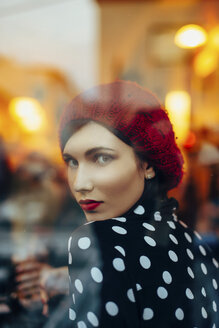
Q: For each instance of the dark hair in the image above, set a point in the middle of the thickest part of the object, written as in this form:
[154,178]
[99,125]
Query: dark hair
[155,187]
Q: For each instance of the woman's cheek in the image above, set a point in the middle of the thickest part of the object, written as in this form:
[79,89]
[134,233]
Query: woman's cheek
[115,180]
[71,178]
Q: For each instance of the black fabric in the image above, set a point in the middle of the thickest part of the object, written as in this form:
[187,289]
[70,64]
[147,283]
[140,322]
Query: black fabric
[145,268]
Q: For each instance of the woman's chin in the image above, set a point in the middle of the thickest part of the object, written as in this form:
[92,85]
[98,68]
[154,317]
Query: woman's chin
[96,216]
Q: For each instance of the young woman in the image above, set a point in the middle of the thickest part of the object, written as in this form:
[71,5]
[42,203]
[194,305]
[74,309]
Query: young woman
[133,264]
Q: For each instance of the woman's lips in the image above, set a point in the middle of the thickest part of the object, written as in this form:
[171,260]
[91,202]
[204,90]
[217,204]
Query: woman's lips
[89,205]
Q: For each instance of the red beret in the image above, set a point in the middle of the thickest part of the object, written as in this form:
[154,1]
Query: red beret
[137,115]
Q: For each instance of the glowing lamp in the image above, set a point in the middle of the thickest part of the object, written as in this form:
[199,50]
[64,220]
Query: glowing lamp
[190,36]
[178,105]
[28,113]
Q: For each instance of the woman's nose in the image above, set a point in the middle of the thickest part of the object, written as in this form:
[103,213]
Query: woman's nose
[82,181]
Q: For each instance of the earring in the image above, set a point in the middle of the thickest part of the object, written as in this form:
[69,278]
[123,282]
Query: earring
[149,176]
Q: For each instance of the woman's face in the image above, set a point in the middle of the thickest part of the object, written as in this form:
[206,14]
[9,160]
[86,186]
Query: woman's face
[103,172]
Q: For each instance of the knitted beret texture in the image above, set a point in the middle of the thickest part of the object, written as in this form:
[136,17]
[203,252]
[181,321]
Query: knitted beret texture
[136,114]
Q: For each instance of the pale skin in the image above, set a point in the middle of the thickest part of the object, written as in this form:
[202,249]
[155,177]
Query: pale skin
[103,168]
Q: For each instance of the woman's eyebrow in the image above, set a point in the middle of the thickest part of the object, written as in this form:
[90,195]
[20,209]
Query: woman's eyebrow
[66,155]
[89,151]
[95,149]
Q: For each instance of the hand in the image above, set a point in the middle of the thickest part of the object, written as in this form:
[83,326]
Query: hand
[38,282]
[27,278]
[53,281]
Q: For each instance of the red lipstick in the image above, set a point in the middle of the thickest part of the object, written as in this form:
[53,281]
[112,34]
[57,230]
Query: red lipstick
[89,204]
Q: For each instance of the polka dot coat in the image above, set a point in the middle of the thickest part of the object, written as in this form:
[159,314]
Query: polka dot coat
[143,269]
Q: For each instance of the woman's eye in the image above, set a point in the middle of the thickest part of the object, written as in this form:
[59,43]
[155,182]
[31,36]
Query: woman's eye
[103,159]
[73,163]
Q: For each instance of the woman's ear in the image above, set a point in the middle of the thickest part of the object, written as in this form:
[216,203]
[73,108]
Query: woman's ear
[149,172]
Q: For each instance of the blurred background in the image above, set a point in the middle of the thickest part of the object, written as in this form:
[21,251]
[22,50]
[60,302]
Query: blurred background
[50,50]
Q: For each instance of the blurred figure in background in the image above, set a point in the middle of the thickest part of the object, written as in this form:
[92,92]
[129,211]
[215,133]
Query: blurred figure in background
[5,172]
[40,213]
[200,197]
[208,214]
[5,234]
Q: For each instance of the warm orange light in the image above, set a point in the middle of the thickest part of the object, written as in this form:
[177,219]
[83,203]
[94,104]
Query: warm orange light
[28,113]
[190,36]
[214,37]
[206,62]
[178,105]
[190,140]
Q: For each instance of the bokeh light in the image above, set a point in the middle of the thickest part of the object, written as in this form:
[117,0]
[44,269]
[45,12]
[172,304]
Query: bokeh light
[206,62]
[28,113]
[214,37]
[190,36]
[190,140]
[178,105]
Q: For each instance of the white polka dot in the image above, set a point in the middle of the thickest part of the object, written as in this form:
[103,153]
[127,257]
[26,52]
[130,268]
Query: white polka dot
[204,269]
[173,256]
[157,216]
[150,241]
[120,249]
[189,294]
[112,308]
[202,250]
[214,282]
[162,292]
[183,224]
[119,230]
[69,258]
[84,243]
[188,237]
[73,298]
[175,217]
[79,286]
[119,264]
[204,313]
[131,295]
[145,262]
[167,277]
[179,314]
[148,226]
[138,287]
[171,224]
[96,274]
[92,318]
[173,238]
[148,314]
[69,243]
[215,263]
[81,324]
[190,272]
[72,314]
[190,254]
[121,219]
[203,292]
[139,210]
[214,305]
[198,235]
